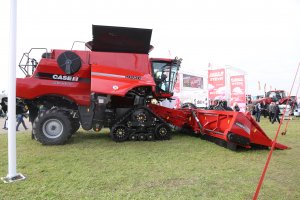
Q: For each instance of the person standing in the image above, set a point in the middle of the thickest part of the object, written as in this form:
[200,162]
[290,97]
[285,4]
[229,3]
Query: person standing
[4,110]
[264,109]
[257,112]
[236,107]
[271,113]
[276,111]
[5,123]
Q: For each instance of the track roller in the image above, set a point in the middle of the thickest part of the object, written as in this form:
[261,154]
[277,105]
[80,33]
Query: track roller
[150,137]
[142,136]
[133,137]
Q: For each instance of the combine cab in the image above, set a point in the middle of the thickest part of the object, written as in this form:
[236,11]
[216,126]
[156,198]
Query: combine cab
[112,84]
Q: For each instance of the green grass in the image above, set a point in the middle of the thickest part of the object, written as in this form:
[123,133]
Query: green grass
[92,166]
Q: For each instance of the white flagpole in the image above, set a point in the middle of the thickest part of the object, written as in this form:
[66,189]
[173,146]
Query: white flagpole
[12,161]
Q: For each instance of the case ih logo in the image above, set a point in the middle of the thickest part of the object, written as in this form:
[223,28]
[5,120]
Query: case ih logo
[133,77]
[62,78]
[65,78]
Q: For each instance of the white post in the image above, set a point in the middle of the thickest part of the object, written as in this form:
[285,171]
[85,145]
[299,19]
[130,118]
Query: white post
[12,161]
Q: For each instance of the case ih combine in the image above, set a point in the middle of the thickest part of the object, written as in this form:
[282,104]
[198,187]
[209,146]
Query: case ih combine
[280,97]
[113,84]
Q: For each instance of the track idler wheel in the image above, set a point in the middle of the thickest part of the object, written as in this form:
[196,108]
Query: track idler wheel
[163,132]
[119,133]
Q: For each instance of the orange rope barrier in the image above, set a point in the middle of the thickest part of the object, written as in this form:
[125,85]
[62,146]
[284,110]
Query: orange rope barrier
[292,108]
[273,146]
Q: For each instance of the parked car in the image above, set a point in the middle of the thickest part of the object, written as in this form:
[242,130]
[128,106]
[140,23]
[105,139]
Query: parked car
[297,112]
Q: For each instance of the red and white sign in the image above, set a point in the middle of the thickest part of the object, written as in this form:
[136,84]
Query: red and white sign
[216,84]
[237,88]
[177,84]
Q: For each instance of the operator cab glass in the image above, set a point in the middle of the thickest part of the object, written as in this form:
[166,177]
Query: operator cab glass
[165,74]
[276,95]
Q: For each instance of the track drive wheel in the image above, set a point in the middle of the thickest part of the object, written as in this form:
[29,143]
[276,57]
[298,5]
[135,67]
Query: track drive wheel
[163,132]
[119,133]
[52,127]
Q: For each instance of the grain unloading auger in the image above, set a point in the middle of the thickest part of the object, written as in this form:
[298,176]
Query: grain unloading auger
[226,128]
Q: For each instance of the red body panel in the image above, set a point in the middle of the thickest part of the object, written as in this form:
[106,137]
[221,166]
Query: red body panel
[101,72]
[117,73]
[217,124]
[41,83]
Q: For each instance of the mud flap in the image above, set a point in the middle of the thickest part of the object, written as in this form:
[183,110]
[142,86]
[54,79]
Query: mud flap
[86,115]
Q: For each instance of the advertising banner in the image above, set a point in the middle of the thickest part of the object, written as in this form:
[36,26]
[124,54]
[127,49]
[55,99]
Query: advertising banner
[237,90]
[177,84]
[192,81]
[216,84]
[188,89]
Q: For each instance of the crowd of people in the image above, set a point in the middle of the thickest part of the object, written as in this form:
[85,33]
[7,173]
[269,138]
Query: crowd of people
[272,111]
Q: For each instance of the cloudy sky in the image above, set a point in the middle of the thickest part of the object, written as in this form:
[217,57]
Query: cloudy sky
[260,37]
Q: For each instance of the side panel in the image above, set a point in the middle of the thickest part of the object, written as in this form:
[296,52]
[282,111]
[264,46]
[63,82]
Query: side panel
[49,79]
[117,73]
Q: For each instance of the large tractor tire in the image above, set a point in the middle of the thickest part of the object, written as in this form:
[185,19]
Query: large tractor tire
[52,127]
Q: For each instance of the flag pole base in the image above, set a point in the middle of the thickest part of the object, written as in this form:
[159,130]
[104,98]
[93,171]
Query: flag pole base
[18,177]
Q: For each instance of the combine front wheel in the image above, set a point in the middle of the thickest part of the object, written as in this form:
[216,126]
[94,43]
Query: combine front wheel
[52,127]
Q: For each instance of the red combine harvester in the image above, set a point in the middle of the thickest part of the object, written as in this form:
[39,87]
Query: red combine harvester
[280,97]
[112,84]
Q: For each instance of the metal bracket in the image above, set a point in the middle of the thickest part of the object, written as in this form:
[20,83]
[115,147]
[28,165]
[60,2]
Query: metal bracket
[18,177]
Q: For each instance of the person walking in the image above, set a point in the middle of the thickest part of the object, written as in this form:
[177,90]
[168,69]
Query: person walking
[257,112]
[20,119]
[21,111]
[276,111]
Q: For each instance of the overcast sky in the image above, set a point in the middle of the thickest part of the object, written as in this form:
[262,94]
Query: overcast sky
[259,37]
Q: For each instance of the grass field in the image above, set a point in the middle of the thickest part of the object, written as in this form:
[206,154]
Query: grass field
[92,166]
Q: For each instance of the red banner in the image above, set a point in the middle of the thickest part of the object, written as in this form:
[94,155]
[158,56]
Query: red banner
[216,84]
[177,84]
[237,88]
